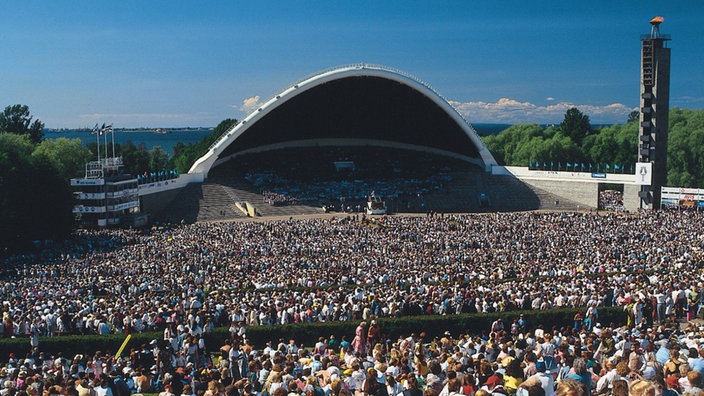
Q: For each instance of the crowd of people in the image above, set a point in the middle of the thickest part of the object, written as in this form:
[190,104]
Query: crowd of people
[341,194]
[611,200]
[521,359]
[275,198]
[326,269]
[185,280]
[342,176]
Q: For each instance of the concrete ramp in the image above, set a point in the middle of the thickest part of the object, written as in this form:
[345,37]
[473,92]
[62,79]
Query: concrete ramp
[251,210]
[242,207]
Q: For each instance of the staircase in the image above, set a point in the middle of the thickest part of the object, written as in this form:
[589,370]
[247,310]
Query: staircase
[215,200]
[202,202]
[245,192]
[217,203]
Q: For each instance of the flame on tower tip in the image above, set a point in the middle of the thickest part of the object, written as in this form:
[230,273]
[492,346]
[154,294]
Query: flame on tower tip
[657,20]
[655,27]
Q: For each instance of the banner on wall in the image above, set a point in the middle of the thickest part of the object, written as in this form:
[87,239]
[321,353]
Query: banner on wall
[644,173]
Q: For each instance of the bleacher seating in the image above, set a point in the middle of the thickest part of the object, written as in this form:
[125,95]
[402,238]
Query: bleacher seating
[304,180]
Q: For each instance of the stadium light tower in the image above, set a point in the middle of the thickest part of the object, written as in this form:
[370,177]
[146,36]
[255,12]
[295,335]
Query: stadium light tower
[654,112]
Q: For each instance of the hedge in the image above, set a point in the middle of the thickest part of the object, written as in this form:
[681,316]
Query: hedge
[308,333]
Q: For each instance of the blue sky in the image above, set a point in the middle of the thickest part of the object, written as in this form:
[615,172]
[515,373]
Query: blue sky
[195,63]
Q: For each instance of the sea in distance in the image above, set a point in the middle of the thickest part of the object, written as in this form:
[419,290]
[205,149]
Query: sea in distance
[168,138]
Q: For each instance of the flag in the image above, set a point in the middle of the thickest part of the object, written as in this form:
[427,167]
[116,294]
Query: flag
[590,166]
[582,165]
[530,165]
[569,165]
[552,164]
[607,166]
[616,167]
[545,165]
[124,344]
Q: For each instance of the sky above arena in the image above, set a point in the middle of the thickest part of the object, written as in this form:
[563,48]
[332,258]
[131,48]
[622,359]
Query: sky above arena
[136,63]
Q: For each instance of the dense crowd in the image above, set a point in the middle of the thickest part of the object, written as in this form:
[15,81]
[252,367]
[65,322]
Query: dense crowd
[343,176]
[279,199]
[210,274]
[518,359]
[187,279]
[279,191]
[611,200]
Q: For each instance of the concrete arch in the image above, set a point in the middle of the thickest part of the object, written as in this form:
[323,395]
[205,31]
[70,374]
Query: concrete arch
[218,154]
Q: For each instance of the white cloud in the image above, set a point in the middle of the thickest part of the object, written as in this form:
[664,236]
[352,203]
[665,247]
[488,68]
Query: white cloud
[550,99]
[250,104]
[511,111]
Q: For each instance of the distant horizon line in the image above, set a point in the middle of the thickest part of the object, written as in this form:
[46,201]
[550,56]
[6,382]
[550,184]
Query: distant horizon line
[137,129]
[200,128]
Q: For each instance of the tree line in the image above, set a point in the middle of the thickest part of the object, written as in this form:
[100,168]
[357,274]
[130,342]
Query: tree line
[575,141]
[36,199]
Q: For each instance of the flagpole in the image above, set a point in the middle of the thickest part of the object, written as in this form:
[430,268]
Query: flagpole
[112,131]
[97,140]
[105,138]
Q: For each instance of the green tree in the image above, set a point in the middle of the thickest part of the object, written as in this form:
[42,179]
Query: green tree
[561,149]
[135,158]
[158,159]
[186,155]
[633,116]
[576,125]
[67,156]
[685,151]
[524,143]
[16,119]
[35,201]
[506,146]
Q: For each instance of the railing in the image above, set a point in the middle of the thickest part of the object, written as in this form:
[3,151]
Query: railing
[650,36]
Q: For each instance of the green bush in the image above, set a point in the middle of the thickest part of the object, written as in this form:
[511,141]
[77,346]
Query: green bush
[308,333]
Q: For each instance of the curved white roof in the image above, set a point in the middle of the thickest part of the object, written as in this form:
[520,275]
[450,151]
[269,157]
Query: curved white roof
[203,164]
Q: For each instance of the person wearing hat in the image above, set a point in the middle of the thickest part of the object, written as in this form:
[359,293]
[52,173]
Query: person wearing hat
[597,329]
[495,386]
[672,386]
[168,391]
[83,388]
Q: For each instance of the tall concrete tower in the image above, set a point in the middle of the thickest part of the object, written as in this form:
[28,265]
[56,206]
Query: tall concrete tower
[654,110]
